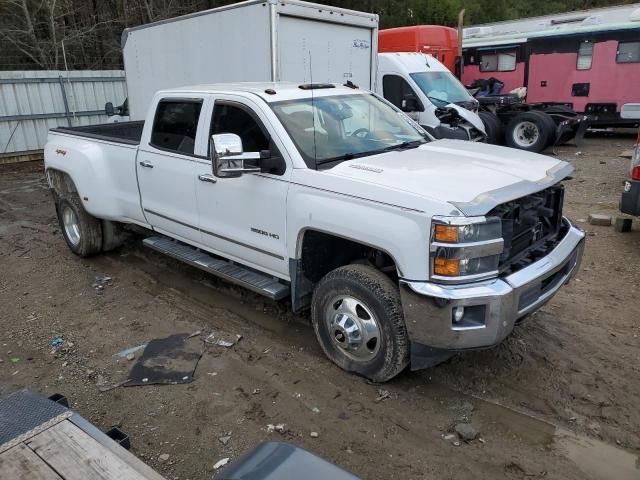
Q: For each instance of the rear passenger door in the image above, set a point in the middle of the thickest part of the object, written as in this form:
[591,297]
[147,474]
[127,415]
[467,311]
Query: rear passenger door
[166,167]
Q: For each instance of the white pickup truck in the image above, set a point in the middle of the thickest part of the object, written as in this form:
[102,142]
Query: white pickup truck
[405,248]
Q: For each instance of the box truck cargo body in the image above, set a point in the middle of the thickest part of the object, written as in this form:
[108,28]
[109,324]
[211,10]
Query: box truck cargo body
[250,41]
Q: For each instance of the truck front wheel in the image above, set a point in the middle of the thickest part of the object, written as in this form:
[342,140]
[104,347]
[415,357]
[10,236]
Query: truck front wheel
[81,231]
[357,316]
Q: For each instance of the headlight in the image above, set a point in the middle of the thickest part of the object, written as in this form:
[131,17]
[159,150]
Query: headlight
[465,248]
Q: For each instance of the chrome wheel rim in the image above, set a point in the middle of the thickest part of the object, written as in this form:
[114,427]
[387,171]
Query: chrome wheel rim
[526,134]
[353,328]
[71,226]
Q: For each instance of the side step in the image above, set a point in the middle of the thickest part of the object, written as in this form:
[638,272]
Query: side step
[245,277]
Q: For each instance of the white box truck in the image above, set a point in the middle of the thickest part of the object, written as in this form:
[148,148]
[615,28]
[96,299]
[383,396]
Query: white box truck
[253,41]
[295,41]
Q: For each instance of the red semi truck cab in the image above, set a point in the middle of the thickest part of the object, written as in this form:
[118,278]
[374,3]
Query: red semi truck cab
[436,40]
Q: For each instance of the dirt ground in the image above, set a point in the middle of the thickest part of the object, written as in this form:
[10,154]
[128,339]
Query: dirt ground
[558,399]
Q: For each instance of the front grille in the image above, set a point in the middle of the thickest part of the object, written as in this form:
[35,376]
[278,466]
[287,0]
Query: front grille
[531,227]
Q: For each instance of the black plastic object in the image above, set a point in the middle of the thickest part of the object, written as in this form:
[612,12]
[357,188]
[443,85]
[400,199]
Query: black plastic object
[315,86]
[59,399]
[282,461]
[118,436]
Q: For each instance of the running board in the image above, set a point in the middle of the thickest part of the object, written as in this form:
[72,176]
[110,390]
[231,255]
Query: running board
[250,279]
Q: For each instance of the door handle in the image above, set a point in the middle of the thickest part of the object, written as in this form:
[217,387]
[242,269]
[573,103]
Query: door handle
[207,177]
[146,164]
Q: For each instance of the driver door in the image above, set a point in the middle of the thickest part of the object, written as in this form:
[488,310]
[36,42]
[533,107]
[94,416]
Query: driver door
[244,218]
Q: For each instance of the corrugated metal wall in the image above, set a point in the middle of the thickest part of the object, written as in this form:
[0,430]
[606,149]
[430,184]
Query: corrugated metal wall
[32,102]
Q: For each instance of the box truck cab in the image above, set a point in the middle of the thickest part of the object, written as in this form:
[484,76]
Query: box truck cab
[428,92]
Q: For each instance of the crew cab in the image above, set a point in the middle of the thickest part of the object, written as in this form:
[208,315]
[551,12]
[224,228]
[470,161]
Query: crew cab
[405,249]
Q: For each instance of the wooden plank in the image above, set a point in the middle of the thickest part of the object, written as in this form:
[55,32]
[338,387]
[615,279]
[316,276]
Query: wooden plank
[75,455]
[21,463]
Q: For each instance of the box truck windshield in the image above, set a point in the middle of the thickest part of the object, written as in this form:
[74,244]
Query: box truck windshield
[342,127]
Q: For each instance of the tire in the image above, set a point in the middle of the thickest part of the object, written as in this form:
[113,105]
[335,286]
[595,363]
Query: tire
[551,126]
[362,297]
[527,131]
[81,231]
[493,127]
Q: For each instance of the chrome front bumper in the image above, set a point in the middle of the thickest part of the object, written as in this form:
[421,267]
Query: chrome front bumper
[492,307]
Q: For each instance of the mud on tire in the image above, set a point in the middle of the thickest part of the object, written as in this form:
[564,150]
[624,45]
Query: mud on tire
[361,295]
[81,231]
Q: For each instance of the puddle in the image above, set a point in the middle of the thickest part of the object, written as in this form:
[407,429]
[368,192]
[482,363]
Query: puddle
[596,459]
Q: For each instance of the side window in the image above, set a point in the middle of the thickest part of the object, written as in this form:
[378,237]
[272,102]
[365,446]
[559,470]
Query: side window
[175,125]
[395,88]
[489,63]
[585,56]
[628,52]
[233,119]
[498,61]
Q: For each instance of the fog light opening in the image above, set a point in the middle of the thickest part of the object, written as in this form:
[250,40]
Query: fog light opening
[458,314]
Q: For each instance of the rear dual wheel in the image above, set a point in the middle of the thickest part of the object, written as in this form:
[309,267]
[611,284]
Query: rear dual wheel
[81,231]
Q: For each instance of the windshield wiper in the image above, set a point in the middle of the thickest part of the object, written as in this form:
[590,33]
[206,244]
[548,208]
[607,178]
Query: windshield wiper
[404,145]
[351,156]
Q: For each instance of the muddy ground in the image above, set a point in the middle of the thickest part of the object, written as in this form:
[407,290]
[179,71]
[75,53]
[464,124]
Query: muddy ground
[558,399]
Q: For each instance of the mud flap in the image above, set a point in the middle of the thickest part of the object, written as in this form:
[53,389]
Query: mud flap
[582,129]
[423,356]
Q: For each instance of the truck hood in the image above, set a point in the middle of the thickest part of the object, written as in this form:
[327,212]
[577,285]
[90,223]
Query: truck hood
[473,118]
[474,177]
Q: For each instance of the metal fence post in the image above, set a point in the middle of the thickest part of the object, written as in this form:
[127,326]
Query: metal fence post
[64,99]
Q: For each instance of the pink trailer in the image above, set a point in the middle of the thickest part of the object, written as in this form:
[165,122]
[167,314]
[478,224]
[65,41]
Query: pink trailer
[592,67]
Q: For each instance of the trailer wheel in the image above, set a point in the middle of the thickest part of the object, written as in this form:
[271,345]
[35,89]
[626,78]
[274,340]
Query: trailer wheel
[357,316]
[81,231]
[493,127]
[527,131]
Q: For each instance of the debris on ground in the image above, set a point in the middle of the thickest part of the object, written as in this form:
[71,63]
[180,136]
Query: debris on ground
[163,457]
[626,154]
[315,410]
[168,361]
[225,439]
[131,356]
[466,431]
[622,224]
[194,334]
[314,435]
[56,342]
[221,463]
[382,395]
[601,220]
[222,339]
[102,281]
[280,428]
[125,353]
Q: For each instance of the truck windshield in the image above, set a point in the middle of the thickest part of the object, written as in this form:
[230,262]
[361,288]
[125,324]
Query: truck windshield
[341,127]
[442,88]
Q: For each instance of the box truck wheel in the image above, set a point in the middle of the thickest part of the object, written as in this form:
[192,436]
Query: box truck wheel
[357,316]
[527,131]
[493,127]
[81,231]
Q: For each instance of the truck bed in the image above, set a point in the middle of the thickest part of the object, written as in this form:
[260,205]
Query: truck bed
[121,132]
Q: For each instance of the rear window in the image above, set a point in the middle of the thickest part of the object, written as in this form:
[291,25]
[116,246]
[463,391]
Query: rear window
[175,125]
[628,52]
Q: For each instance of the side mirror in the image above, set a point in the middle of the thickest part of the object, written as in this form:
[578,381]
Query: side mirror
[410,103]
[228,159]
[109,110]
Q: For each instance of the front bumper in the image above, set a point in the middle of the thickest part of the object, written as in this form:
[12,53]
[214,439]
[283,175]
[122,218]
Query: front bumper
[491,307]
[630,199]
